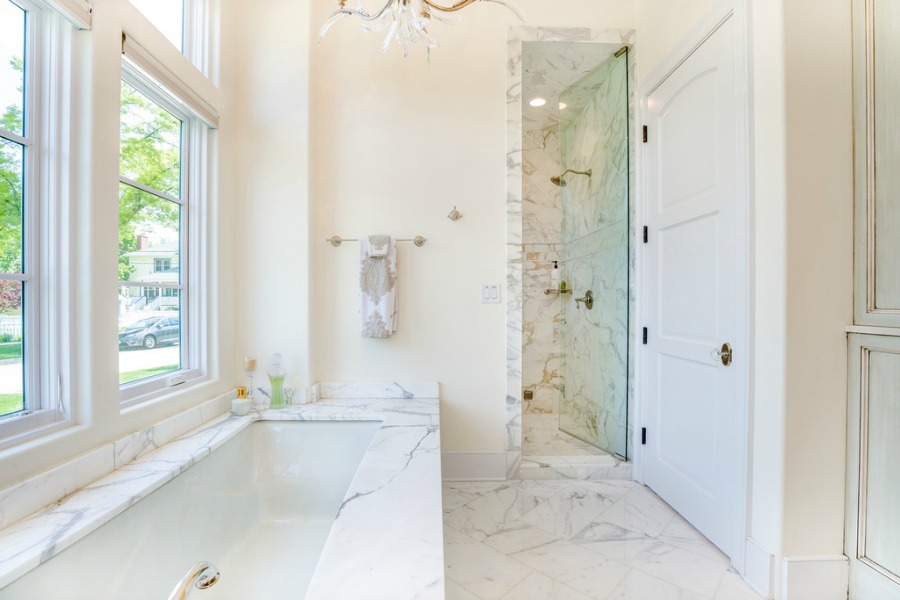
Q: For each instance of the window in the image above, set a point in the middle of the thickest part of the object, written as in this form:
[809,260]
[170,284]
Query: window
[16,274]
[161,186]
[185,23]
[34,47]
[167,16]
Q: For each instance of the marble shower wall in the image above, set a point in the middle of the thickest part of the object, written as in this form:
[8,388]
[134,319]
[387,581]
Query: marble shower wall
[594,403]
[541,241]
[516,248]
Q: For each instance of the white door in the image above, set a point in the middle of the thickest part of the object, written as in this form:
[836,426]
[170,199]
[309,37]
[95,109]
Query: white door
[695,257]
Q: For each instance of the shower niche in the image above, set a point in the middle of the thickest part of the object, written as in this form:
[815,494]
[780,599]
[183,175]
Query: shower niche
[576,256]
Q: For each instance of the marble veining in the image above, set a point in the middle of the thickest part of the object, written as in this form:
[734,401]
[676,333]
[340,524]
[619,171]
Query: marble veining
[577,540]
[388,530]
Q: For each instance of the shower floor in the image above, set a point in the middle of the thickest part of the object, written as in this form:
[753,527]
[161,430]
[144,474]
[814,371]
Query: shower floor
[548,453]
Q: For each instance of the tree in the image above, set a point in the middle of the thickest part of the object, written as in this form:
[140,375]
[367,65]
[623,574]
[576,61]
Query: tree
[150,153]
[11,155]
[10,296]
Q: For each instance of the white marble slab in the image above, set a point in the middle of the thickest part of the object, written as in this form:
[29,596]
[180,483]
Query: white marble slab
[403,391]
[36,493]
[388,532]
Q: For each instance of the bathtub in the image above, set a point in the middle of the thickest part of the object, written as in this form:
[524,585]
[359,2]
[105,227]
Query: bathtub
[340,499]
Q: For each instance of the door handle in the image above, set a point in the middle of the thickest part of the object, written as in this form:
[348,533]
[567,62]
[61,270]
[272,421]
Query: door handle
[726,354]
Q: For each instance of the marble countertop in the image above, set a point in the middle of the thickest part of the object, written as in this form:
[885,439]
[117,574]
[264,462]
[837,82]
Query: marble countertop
[386,542]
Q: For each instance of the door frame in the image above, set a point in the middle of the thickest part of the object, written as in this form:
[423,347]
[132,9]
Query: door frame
[721,11]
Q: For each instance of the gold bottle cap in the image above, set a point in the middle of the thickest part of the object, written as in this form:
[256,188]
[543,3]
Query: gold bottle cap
[242,392]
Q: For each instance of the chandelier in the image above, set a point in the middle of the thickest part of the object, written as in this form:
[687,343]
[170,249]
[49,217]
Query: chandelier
[406,21]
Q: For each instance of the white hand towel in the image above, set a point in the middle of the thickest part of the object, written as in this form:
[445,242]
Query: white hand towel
[378,286]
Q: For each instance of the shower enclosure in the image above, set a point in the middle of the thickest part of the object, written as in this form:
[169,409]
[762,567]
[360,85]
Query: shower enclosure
[576,250]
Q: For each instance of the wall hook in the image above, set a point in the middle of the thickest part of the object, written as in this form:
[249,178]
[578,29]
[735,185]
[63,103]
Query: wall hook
[455,215]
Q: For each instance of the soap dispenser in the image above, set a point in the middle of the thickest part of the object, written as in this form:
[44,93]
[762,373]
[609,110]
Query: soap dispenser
[276,380]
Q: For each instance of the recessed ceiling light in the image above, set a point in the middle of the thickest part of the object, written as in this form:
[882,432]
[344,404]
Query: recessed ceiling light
[537,102]
[563,106]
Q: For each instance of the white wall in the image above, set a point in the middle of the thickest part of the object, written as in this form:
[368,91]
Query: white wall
[802,258]
[95,389]
[396,144]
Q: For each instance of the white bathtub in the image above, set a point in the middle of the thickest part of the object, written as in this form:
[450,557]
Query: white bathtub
[260,508]
[332,501]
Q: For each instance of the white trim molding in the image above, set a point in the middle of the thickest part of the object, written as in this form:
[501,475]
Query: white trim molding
[815,577]
[759,569]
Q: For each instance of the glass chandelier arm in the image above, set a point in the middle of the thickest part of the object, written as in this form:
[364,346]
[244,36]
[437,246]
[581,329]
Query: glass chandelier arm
[511,7]
[458,6]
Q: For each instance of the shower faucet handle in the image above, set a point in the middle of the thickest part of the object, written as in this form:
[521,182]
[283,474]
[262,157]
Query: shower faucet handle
[587,300]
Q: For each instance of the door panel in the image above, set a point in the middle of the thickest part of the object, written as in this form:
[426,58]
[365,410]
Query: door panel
[872,539]
[694,206]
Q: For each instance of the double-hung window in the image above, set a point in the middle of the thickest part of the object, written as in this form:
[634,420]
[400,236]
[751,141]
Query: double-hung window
[162,188]
[34,43]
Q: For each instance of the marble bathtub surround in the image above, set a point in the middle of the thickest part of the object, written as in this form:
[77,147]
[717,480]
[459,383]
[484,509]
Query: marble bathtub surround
[387,532]
[612,540]
[35,493]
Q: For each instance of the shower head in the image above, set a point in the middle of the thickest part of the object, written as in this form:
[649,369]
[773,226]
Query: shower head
[558,180]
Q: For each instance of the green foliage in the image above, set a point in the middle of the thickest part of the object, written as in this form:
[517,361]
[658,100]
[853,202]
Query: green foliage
[150,153]
[11,205]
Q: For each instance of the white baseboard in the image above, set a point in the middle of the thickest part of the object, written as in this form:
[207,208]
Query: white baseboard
[815,578]
[759,569]
[473,466]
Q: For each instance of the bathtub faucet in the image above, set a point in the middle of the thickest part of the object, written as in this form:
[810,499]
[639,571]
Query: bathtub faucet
[202,575]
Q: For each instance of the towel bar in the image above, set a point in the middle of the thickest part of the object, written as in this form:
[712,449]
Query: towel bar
[337,240]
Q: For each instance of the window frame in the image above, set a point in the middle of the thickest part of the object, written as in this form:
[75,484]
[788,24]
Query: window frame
[45,260]
[194,154]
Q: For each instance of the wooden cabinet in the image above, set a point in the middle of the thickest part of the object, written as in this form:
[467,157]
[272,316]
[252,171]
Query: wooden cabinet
[872,539]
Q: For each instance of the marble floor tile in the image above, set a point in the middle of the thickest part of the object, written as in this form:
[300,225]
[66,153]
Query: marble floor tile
[574,565]
[492,511]
[640,586]
[568,512]
[732,587]
[640,510]
[509,542]
[674,565]
[540,587]
[454,591]
[482,571]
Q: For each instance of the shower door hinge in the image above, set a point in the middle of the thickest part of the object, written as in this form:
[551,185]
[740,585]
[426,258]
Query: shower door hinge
[646,234]
[644,337]
[643,436]
[645,134]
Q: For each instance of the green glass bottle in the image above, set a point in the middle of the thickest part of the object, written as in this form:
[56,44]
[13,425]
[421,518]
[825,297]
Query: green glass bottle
[276,380]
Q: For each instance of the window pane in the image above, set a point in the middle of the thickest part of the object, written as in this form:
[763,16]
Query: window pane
[149,237]
[12,77]
[11,364]
[166,15]
[149,332]
[10,206]
[150,146]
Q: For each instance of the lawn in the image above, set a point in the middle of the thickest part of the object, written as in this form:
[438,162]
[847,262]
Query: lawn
[129,376]
[10,403]
[11,350]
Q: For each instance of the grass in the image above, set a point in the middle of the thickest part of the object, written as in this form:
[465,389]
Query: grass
[129,376]
[10,403]
[12,350]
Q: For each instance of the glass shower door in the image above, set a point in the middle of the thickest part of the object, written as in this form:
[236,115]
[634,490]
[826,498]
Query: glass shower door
[594,336]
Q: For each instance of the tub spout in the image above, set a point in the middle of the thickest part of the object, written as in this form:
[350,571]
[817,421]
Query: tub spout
[202,575]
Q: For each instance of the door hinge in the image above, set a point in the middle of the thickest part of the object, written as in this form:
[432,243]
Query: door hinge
[643,436]
[646,234]
[645,134]
[644,337]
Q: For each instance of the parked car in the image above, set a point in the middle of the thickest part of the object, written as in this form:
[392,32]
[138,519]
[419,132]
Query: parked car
[151,333]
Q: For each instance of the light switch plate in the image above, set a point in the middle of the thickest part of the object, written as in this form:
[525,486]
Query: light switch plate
[490,293]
